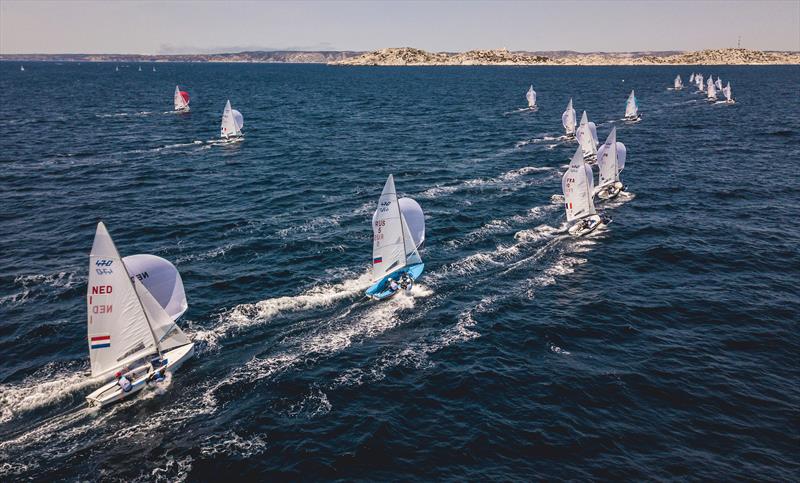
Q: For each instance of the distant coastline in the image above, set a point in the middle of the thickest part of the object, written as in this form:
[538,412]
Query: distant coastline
[407,56]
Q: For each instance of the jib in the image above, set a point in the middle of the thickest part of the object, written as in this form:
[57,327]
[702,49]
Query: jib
[102,290]
[102,309]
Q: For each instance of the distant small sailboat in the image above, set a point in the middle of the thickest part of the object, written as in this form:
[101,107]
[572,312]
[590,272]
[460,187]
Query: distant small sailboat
[181,100]
[587,137]
[711,90]
[698,79]
[140,68]
[578,186]
[728,94]
[632,108]
[679,83]
[132,304]
[232,123]
[21,68]
[398,230]
[154,68]
[610,161]
[531,97]
[568,120]
[718,83]
[116,69]
[691,78]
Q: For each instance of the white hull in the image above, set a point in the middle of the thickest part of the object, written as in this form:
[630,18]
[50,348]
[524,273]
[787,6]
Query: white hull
[112,392]
[585,226]
[609,191]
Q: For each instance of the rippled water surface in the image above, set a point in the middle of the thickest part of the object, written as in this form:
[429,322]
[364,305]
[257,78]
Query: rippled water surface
[663,346]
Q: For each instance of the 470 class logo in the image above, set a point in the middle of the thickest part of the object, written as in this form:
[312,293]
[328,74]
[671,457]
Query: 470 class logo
[104,262]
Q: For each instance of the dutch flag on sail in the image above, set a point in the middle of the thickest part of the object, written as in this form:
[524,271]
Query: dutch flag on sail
[99,341]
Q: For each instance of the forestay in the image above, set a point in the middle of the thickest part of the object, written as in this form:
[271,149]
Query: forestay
[587,136]
[578,186]
[118,331]
[531,97]
[568,118]
[393,246]
[631,107]
[161,279]
[611,159]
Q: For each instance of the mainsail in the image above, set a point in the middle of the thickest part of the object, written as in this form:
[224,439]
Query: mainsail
[631,106]
[578,186]
[718,83]
[568,119]
[531,97]
[393,246]
[181,99]
[118,328]
[698,79]
[691,77]
[610,159]
[587,136]
[679,82]
[711,90]
[232,122]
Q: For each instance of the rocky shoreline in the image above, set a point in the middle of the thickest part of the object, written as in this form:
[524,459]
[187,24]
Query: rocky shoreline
[406,56]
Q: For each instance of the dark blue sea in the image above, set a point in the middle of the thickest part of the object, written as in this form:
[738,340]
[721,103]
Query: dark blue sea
[662,347]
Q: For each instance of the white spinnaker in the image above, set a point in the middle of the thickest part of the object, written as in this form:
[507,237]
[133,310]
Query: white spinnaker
[711,89]
[228,127]
[161,279]
[679,82]
[414,218]
[631,109]
[727,91]
[531,97]
[165,330]
[118,330]
[568,118]
[388,244]
[180,102]
[587,136]
[578,186]
[610,159]
[238,119]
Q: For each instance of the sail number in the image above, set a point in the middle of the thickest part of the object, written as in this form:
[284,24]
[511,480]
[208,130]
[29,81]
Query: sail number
[102,290]
[378,233]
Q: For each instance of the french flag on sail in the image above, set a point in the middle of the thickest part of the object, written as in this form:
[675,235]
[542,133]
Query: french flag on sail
[377,260]
[99,341]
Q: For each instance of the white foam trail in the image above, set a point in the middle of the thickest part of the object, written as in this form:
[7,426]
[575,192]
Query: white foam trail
[60,280]
[249,315]
[209,254]
[311,225]
[509,177]
[501,225]
[50,384]
[230,444]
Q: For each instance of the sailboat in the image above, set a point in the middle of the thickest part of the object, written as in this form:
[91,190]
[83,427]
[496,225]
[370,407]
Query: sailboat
[610,161]
[691,78]
[698,79]
[116,69]
[154,68]
[587,137]
[398,230]
[132,328]
[711,90]
[22,68]
[568,120]
[578,186]
[728,94]
[679,83]
[718,83]
[181,100]
[632,108]
[140,68]
[232,123]
[531,97]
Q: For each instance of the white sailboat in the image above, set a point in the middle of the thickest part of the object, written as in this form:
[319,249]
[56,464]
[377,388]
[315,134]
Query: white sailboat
[679,83]
[632,108]
[587,137]
[578,186]
[116,69]
[154,68]
[718,83]
[140,68]
[130,332]
[22,68]
[728,94]
[531,97]
[568,120]
[691,78]
[711,90]
[610,161]
[698,79]
[398,230]
[181,100]
[232,123]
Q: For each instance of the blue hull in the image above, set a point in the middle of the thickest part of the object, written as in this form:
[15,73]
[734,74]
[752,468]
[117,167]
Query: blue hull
[379,290]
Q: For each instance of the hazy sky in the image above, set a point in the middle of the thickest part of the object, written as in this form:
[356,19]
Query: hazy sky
[66,26]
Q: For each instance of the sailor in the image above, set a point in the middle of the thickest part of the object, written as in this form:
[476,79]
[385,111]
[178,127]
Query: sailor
[406,282]
[393,285]
[124,382]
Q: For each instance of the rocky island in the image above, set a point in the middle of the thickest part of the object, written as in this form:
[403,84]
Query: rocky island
[410,56]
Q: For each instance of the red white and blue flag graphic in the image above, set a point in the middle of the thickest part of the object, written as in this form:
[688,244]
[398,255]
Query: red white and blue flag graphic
[99,341]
